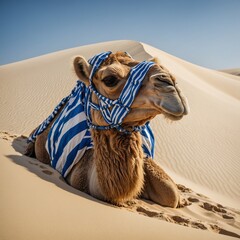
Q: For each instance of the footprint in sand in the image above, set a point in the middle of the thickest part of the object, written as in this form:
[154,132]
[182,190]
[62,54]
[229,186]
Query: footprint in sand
[199,203]
[47,172]
[153,214]
[180,220]
[193,200]
[7,136]
[218,209]
[219,230]
[226,216]
[147,212]
[187,222]
[202,196]
[4,136]
[184,189]
[33,163]
[198,225]
[62,179]
[213,208]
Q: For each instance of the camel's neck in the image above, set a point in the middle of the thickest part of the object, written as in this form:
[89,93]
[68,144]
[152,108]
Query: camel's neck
[119,164]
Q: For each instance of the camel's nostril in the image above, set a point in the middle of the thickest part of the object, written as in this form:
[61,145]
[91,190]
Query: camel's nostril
[161,83]
[162,80]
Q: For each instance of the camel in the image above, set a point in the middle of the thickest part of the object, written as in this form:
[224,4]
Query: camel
[116,170]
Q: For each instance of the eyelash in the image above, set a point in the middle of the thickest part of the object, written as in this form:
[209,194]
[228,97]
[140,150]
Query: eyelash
[110,81]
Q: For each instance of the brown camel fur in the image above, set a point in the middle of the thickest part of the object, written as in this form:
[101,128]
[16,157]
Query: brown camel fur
[116,169]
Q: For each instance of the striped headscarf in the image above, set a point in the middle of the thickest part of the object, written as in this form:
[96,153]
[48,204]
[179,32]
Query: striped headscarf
[121,106]
[69,136]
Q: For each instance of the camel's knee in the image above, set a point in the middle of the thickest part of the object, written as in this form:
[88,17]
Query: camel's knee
[159,187]
[170,195]
[40,150]
[30,150]
[162,192]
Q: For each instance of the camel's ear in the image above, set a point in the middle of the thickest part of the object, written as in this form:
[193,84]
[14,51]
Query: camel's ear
[154,59]
[157,61]
[82,69]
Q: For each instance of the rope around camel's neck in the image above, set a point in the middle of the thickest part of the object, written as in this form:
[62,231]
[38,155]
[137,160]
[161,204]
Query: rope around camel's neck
[119,163]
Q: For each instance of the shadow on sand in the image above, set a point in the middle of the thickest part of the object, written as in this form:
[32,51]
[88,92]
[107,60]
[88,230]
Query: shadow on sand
[44,171]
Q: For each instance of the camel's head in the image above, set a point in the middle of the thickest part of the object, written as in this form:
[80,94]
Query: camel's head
[158,93]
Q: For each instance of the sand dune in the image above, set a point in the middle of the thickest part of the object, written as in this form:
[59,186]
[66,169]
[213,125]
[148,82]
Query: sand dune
[233,71]
[200,152]
[205,142]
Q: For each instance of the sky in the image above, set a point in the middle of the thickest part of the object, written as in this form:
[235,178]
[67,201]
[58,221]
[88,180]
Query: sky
[204,32]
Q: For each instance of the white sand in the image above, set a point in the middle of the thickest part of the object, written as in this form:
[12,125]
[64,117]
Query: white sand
[201,151]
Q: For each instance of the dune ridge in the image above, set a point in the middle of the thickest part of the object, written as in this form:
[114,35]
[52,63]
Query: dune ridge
[233,71]
[200,152]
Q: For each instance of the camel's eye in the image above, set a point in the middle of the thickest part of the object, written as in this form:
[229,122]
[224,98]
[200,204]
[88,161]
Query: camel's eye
[110,81]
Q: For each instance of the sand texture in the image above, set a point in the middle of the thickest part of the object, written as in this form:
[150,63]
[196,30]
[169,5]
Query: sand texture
[201,153]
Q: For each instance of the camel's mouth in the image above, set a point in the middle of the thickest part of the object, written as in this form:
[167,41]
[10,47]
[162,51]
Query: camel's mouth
[174,107]
[172,117]
[175,115]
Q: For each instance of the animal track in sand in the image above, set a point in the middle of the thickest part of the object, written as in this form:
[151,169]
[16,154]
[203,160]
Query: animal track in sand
[169,218]
[185,221]
[219,210]
[202,213]
[188,222]
[219,230]
[227,216]
[202,196]
[193,200]
[47,172]
[147,212]
[198,225]
[180,220]
[33,163]
[213,208]
[62,179]
[183,189]
[7,136]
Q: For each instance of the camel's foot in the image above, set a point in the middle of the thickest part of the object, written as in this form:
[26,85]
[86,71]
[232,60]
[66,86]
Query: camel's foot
[40,150]
[159,187]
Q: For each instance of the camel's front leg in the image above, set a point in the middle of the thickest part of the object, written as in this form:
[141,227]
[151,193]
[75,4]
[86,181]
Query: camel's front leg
[158,186]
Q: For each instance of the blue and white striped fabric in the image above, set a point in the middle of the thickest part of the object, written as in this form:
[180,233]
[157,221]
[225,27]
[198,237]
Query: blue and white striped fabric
[96,61]
[69,136]
[148,141]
